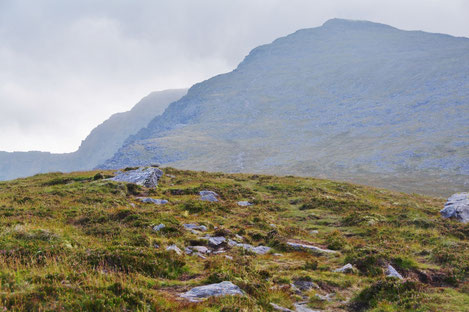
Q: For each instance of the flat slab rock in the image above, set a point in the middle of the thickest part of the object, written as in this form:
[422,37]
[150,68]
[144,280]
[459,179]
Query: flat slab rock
[457,207]
[310,247]
[144,176]
[213,290]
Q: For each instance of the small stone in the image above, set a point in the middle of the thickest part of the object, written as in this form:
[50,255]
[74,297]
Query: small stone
[348,268]
[192,226]
[279,308]
[209,196]
[304,285]
[327,297]
[314,232]
[229,257]
[244,203]
[174,248]
[201,249]
[158,227]
[152,200]
[391,272]
[213,290]
[262,250]
[215,241]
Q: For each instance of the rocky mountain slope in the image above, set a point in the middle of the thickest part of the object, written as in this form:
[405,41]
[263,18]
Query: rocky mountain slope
[349,100]
[225,242]
[100,144]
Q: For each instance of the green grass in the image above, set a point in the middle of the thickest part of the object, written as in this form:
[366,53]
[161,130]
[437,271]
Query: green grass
[77,242]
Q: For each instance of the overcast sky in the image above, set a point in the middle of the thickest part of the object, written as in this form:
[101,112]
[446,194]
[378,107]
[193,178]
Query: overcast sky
[66,66]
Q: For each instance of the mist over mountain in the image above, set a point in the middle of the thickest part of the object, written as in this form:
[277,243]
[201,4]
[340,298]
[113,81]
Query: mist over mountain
[99,145]
[351,100]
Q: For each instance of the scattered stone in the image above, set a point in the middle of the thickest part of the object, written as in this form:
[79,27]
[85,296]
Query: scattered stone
[152,200]
[239,237]
[213,290]
[310,247]
[244,203]
[201,249]
[219,251]
[279,308]
[277,254]
[188,250]
[304,285]
[191,227]
[261,250]
[215,241]
[147,177]
[201,255]
[391,272]
[457,207]
[314,232]
[229,257]
[158,227]
[156,246]
[327,297]
[174,248]
[301,307]
[273,225]
[208,196]
[348,268]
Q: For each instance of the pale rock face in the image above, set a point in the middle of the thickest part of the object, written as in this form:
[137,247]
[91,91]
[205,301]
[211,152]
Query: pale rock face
[213,290]
[147,177]
[457,207]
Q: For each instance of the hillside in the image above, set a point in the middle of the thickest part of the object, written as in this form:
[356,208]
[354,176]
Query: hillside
[99,145]
[77,242]
[350,100]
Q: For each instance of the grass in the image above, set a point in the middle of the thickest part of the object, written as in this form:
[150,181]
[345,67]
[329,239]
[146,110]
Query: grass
[78,242]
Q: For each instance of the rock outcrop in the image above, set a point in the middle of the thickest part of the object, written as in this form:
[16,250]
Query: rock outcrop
[144,176]
[457,207]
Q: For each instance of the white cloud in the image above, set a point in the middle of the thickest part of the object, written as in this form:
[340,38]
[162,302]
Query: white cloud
[65,66]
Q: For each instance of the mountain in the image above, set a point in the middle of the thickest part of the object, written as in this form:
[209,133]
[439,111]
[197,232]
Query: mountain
[350,100]
[73,242]
[101,143]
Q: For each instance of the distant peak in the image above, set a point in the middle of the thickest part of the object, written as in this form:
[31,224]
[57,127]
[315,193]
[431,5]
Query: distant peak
[353,24]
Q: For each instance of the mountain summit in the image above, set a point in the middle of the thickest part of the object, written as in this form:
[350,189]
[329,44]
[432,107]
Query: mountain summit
[350,100]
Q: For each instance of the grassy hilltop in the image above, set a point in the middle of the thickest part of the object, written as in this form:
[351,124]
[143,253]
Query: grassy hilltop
[75,242]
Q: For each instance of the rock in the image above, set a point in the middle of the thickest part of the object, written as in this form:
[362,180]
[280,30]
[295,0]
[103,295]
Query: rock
[301,307]
[327,297]
[208,196]
[310,247]
[213,290]
[215,241]
[147,177]
[262,250]
[152,200]
[279,308]
[391,272]
[314,232]
[457,207]
[174,248]
[348,268]
[158,227]
[191,226]
[229,257]
[201,249]
[244,203]
[304,285]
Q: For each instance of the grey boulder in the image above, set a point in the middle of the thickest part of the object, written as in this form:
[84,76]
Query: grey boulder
[147,177]
[457,207]
[209,196]
[213,290]
[215,240]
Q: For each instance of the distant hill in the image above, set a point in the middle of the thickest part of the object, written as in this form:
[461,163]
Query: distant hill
[100,144]
[350,100]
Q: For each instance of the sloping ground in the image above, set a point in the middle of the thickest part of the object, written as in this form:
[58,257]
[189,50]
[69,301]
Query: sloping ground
[99,145]
[76,242]
[350,100]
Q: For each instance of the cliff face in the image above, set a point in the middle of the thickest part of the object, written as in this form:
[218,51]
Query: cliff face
[100,144]
[349,100]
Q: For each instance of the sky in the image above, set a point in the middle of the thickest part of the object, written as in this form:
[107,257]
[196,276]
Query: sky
[66,66]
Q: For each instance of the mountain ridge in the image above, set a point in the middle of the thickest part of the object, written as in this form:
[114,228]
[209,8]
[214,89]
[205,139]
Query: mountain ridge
[366,89]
